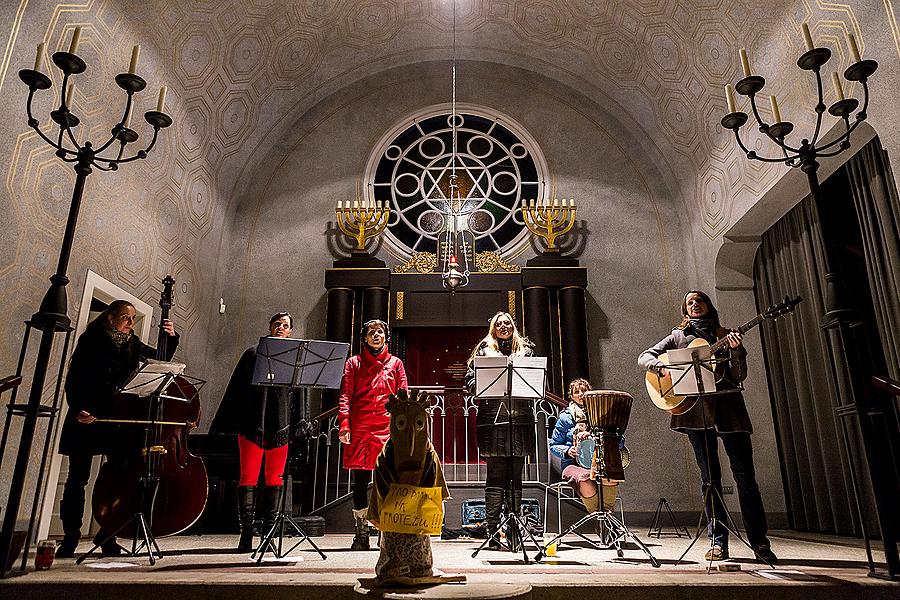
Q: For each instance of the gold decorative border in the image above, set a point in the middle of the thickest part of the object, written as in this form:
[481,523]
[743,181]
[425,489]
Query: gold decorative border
[421,262]
[399,303]
[511,303]
[492,262]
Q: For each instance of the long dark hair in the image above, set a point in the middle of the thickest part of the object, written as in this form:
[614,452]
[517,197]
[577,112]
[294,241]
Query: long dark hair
[711,312]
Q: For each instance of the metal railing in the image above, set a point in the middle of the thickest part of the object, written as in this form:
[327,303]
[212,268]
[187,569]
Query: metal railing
[452,413]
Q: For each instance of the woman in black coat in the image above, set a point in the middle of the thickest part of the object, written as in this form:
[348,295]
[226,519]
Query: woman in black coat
[503,455]
[106,355]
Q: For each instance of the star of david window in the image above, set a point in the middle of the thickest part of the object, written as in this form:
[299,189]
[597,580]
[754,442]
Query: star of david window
[497,165]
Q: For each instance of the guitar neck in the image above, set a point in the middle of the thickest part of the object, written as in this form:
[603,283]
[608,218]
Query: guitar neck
[742,329]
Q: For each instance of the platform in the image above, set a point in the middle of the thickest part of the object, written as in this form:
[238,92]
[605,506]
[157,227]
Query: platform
[204,567]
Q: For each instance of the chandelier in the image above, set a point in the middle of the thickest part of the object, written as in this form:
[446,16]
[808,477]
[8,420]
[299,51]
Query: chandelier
[453,274]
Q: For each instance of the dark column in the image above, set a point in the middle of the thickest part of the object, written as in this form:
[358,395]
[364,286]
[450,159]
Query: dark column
[536,325]
[338,328]
[375,304]
[573,334]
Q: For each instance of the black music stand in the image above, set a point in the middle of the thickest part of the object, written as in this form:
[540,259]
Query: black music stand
[296,365]
[510,379]
[150,380]
[710,493]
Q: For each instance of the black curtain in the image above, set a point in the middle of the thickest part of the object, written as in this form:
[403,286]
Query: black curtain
[858,208]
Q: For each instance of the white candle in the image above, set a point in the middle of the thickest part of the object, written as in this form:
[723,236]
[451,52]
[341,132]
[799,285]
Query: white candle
[531,203]
[161,103]
[39,58]
[127,122]
[135,54]
[838,89]
[378,205]
[854,49]
[339,204]
[555,202]
[775,112]
[75,36]
[356,204]
[69,94]
[745,62]
[729,97]
[807,37]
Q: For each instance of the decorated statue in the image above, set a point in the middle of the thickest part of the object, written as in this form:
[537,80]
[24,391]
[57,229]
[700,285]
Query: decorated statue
[406,501]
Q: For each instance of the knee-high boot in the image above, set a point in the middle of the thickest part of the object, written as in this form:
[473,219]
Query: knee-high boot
[271,506]
[246,513]
[493,507]
[361,535]
[609,493]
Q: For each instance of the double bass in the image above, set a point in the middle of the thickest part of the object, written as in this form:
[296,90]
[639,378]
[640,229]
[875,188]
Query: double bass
[159,477]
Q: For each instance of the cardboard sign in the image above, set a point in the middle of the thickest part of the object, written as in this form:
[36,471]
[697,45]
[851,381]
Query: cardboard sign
[410,509]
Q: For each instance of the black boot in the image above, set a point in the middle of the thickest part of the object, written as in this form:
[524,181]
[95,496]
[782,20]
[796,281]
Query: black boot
[66,548]
[246,512]
[493,506]
[361,536]
[271,506]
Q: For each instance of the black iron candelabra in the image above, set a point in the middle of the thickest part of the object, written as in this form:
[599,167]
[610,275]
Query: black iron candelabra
[52,316]
[846,340]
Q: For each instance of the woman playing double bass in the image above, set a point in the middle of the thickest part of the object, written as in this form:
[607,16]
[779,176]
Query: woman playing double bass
[106,354]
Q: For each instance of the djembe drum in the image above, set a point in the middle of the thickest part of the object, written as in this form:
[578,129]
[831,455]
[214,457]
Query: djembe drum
[607,413]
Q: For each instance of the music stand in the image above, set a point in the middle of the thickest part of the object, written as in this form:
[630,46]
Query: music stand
[510,379]
[702,366]
[150,380]
[296,365]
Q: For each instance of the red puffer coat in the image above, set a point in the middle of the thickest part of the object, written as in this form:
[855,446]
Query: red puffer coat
[367,382]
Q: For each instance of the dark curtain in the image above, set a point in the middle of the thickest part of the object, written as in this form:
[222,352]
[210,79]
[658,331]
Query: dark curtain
[878,212]
[814,464]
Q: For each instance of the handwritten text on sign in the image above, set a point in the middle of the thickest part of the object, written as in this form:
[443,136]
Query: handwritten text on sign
[410,509]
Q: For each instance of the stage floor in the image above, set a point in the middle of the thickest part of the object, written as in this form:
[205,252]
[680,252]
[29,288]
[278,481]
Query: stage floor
[199,567]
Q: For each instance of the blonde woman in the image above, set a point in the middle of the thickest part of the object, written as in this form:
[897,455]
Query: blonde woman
[504,456]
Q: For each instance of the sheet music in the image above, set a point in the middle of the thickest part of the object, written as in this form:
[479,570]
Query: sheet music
[148,378]
[687,385]
[528,380]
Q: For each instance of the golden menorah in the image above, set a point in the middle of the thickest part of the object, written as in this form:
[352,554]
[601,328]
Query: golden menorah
[549,219]
[362,220]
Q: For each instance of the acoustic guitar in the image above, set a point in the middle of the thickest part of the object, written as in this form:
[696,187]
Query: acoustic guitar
[660,389]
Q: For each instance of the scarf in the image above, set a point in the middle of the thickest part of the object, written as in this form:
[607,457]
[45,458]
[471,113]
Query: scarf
[706,327]
[118,338]
[578,414]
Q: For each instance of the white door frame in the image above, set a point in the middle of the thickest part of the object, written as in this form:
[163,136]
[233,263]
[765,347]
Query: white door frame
[97,287]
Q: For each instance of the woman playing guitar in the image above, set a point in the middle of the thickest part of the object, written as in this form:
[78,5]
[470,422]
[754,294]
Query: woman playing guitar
[717,416]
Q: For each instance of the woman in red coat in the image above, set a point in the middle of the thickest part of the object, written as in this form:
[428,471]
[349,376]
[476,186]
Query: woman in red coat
[369,377]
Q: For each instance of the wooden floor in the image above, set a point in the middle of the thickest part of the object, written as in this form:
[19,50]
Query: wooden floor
[200,567]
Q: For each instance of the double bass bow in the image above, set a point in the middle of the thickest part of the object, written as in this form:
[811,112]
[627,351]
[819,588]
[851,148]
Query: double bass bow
[159,479]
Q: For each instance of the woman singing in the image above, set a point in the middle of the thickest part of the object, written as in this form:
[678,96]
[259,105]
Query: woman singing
[721,416]
[107,353]
[369,378]
[505,456]
[261,418]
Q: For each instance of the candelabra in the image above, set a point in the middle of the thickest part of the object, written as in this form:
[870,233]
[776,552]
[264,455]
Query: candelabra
[845,338]
[549,220]
[363,221]
[52,315]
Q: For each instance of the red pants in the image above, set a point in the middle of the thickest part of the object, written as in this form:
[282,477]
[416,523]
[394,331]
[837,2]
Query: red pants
[251,460]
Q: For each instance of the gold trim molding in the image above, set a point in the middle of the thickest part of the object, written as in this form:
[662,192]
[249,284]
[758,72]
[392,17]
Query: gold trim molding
[420,262]
[399,304]
[492,262]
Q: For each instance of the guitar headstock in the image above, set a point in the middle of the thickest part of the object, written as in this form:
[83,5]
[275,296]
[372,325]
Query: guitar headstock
[167,298]
[784,308]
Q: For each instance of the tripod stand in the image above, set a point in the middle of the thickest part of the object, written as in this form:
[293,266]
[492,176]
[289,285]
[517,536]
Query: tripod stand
[494,378]
[296,365]
[703,368]
[604,520]
[142,520]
